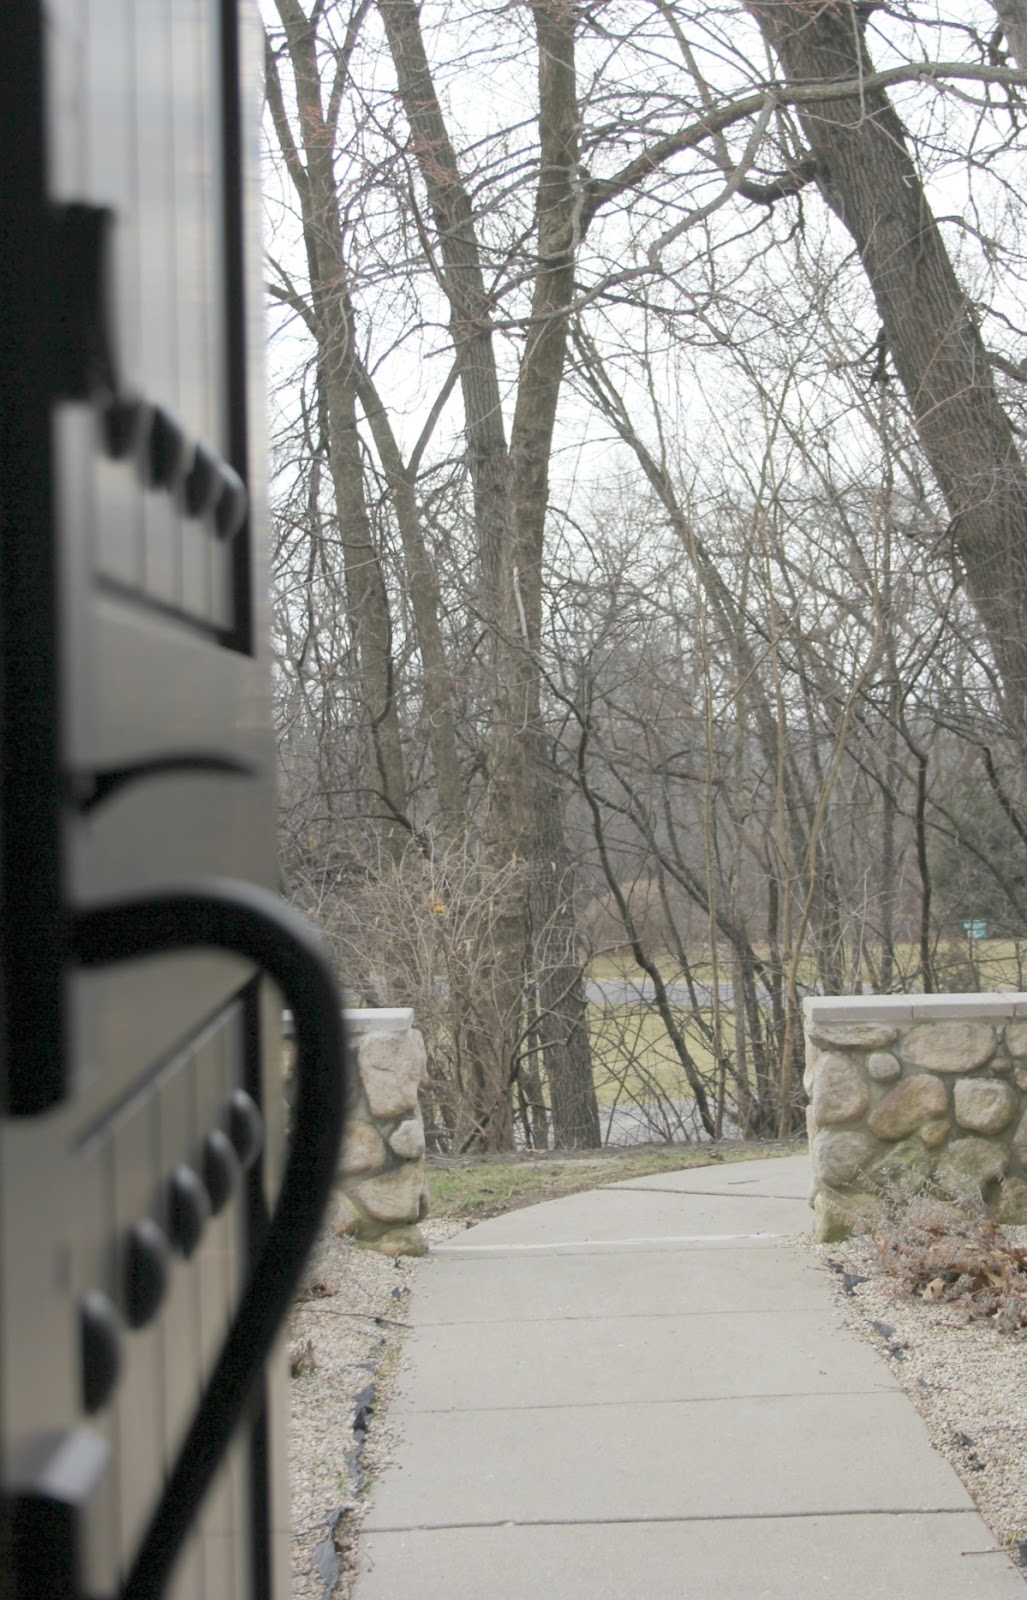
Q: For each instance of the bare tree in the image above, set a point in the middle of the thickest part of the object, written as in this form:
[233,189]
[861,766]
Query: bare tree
[866,174]
[621,249]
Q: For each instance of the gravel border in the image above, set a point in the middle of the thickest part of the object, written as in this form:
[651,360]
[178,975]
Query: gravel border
[345,1335]
[967,1380]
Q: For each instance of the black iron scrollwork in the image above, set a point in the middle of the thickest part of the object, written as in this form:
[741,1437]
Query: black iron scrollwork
[251,922]
[91,789]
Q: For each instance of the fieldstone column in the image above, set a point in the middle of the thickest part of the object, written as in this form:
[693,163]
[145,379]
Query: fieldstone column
[381,1194]
[913,1092]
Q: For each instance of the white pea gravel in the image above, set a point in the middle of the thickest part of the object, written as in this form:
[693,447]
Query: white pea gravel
[967,1379]
[344,1338]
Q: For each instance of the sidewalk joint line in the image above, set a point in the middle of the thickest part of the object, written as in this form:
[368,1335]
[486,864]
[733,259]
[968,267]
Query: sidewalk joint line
[671,1520]
[629,1187]
[618,1244]
[878,1391]
[621,1316]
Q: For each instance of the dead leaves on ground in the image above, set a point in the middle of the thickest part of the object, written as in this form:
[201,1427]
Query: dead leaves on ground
[940,1251]
[302,1360]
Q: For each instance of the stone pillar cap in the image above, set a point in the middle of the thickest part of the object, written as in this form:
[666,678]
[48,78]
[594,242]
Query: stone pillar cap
[382,1019]
[902,1008]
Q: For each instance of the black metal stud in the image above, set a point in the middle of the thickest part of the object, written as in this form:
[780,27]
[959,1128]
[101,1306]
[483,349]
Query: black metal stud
[203,486]
[245,1127]
[127,422]
[147,1266]
[233,502]
[100,1328]
[169,450]
[188,1209]
[221,1169]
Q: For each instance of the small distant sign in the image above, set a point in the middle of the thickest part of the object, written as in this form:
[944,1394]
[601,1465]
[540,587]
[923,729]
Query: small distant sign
[975,928]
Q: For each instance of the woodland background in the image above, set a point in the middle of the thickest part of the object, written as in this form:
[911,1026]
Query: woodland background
[650,522]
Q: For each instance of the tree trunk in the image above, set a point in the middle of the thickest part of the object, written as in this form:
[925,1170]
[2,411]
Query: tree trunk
[868,178]
[1012,15]
[534,1111]
[563,1012]
[330,319]
[470,310]
[513,757]
[424,601]
[510,489]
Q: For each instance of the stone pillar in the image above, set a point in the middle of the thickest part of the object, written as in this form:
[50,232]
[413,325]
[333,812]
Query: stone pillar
[912,1092]
[381,1194]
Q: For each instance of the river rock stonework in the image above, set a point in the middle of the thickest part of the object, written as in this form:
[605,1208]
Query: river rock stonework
[949,1046]
[983,1106]
[839,1091]
[380,1190]
[908,1106]
[915,1091]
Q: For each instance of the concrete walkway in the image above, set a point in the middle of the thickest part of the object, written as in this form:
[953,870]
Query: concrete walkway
[646,1391]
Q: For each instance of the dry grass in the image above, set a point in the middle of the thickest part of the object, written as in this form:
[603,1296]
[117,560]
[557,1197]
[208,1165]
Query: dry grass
[471,1188]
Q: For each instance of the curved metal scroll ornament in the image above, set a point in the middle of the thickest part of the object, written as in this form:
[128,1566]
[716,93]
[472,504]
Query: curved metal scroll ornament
[248,921]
